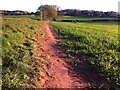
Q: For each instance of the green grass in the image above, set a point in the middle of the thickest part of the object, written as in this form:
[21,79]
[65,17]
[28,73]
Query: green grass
[96,43]
[22,16]
[18,37]
[82,18]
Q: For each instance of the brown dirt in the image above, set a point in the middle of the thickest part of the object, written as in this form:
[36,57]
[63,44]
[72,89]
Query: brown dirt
[59,74]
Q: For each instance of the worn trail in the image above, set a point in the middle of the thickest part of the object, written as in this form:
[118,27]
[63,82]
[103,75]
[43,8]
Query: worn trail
[59,73]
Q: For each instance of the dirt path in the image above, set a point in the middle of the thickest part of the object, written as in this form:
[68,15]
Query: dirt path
[59,73]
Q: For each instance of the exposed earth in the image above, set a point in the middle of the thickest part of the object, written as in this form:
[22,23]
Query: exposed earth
[60,74]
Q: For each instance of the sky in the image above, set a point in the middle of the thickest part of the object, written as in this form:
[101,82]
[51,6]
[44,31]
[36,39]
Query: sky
[32,5]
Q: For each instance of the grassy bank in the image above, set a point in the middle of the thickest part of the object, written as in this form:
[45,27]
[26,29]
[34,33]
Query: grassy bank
[18,37]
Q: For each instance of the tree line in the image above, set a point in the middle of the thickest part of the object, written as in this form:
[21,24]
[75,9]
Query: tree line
[87,13]
[50,12]
[15,12]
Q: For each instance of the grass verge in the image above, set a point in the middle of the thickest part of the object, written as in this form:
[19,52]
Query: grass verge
[18,37]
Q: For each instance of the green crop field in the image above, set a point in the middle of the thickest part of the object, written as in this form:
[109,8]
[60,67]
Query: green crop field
[82,18]
[22,16]
[18,37]
[95,43]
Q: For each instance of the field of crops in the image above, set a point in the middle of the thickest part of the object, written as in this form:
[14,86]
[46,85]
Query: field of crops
[92,42]
[96,43]
[22,16]
[82,18]
[18,37]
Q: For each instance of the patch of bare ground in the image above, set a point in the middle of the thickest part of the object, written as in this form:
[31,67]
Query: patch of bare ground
[58,73]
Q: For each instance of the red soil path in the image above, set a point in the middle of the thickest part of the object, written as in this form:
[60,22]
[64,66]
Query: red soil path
[59,73]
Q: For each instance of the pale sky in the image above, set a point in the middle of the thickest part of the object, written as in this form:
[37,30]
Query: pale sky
[32,5]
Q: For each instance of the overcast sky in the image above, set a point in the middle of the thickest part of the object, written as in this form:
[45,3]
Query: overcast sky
[32,5]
